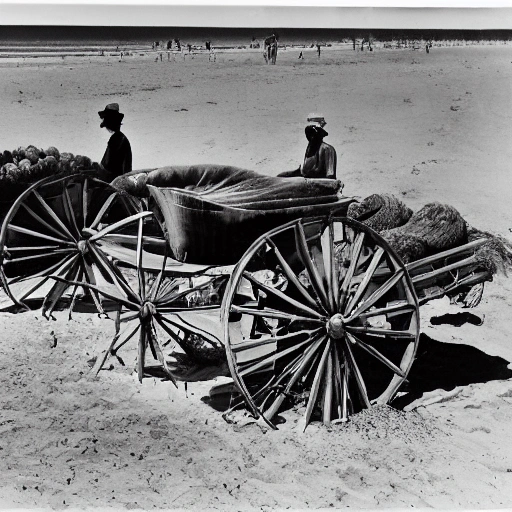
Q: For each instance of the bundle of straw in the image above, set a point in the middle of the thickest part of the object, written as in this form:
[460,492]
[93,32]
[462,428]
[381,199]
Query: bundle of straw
[391,212]
[434,228]
[408,246]
[496,254]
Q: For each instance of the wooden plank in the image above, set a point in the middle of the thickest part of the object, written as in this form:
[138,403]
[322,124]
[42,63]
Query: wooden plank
[445,254]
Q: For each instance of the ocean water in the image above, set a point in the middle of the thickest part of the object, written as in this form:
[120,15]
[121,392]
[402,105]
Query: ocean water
[93,38]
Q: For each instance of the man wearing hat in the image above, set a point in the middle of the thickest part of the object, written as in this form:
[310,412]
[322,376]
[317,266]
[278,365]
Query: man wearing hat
[117,159]
[320,158]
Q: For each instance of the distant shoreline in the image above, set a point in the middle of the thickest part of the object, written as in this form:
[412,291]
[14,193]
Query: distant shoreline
[95,50]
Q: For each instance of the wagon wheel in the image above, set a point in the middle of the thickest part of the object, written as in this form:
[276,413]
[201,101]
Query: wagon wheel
[320,309]
[54,229]
[140,276]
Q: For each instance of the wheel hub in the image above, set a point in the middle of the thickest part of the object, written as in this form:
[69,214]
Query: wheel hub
[82,246]
[336,326]
[147,310]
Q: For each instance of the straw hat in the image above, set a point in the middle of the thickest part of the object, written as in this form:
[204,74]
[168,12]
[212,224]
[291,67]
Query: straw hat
[316,120]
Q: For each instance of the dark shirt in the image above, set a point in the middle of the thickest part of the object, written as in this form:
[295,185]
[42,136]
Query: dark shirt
[117,159]
[319,162]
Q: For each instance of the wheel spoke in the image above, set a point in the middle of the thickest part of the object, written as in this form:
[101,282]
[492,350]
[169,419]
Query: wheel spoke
[52,214]
[356,251]
[290,274]
[85,201]
[330,264]
[375,353]
[298,367]
[116,298]
[113,227]
[32,248]
[316,384]
[337,381]
[124,337]
[314,276]
[35,234]
[155,288]
[103,209]
[357,374]
[74,293]
[377,294]
[58,289]
[273,313]
[69,212]
[267,340]
[344,393]
[397,380]
[271,359]
[41,221]
[328,391]
[141,357]
[140,272]
[365,281]
[132,239]
[117,279]
[44,275]
[397,309]
[375,331]
[282,296]
[37,256]
[168,330]
[153,339]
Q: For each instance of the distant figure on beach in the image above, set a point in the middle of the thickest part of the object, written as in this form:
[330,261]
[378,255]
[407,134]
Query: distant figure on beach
[318,50]
[117,159]
[211,55]
[301,56]
[208,45]
[270,49]
[178,44]
[189,46]
[427,48]
[320,159]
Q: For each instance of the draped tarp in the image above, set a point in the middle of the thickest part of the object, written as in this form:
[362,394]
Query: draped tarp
[211,214]
[233,186]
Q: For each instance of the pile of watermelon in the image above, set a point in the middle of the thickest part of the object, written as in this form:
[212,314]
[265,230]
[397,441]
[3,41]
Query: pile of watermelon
[21,168]
[30,164]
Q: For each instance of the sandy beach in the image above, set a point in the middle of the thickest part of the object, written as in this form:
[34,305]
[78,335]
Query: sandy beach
[424,127]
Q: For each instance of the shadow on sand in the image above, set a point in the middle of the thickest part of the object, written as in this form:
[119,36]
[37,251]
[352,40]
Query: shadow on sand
[441,365]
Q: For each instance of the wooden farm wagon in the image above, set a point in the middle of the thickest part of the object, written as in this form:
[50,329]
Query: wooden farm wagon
[307,304]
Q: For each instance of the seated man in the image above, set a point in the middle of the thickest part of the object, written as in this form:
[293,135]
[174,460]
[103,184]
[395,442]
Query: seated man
[320,158]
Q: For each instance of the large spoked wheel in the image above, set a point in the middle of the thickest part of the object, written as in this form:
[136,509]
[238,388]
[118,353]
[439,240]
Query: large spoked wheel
[55,229]
[320,311]
[155,295]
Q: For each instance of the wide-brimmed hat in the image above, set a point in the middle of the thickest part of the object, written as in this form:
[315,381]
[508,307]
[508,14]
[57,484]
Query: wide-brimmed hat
[316,120]
[111,112]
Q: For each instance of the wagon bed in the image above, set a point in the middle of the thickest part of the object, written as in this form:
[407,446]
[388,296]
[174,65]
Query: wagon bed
[306,303]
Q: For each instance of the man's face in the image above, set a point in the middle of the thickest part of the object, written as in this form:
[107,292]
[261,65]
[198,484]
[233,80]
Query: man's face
[312,134]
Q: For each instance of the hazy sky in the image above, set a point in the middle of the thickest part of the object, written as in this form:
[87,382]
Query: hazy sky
[332,14]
